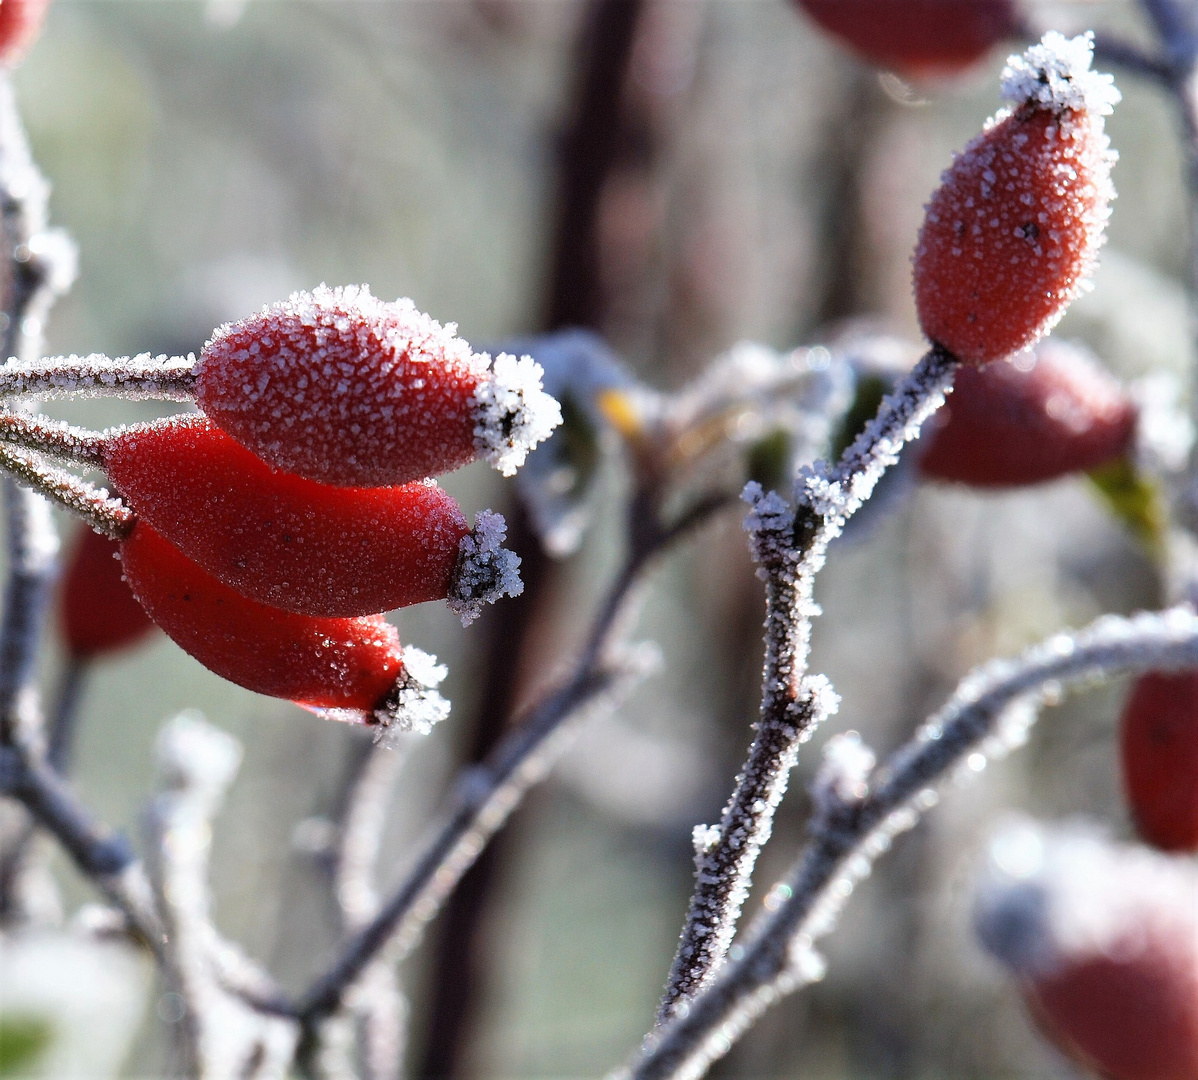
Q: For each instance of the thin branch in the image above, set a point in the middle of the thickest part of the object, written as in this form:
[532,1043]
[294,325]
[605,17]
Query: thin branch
[852,831]
[136,378]
[60,739]
[53,437]
[100,510]
[790,546]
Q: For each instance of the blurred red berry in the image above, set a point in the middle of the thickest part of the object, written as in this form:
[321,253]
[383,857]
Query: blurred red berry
[1104,942]
[1046,413]
[917,37]
[342,388]
[20,23]
[97,612]
[274,537]
[1158,744]
[1012,233]
[320,662]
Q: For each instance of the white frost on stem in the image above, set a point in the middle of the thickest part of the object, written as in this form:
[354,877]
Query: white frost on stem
[96,375]
[988,712]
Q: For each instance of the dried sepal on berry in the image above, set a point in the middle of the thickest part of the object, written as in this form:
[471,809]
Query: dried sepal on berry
[1158,751]
[340,387]
[917,37]
[97,612]
[1012,233]
[301,545]
[1046,413]
[354,669]
[1104,942]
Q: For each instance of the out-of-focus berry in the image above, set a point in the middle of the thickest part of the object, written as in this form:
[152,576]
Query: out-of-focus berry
[97,612]
[1158,749]
[917,37]
[20,23]
[1046,413]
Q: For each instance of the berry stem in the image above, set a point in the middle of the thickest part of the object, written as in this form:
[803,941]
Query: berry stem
[53,437]
[96,375]
[100,510]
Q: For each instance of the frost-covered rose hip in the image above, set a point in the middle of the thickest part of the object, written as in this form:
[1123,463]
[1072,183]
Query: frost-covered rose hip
[343,388]
[300,545]
[97,612]
[20,23]
[353,665]
[1158,749]
[917,37]
[1046,413]
[1012,233]
[1104,943]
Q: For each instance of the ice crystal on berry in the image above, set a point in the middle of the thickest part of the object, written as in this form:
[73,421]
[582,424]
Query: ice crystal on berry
[513,413]
[485,570]
[1055,74]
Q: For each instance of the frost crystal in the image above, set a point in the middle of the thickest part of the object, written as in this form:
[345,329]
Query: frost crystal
[1056,74]
[414,705]
[485,569]
[843,777]
[512,412]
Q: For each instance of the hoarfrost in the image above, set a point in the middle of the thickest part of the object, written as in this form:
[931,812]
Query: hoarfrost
[485,569]
[1056,74]
[512,412]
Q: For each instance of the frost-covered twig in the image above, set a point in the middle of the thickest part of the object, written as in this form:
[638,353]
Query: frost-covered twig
[56,438]
[102,512]
[167,378]
[223,1035]
[790,547]
[855,823]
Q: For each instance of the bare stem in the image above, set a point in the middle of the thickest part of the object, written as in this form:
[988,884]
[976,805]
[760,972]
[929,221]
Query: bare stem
[53,437]
[102,512]
[138,377]
[850,834]
[790,546]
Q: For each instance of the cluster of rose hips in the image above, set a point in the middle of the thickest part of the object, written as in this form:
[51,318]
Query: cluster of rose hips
[270,530]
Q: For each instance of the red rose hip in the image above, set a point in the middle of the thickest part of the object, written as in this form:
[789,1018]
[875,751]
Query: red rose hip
[1046,413]
[301,545]
[1012,233]
[1158,750]
[97,612]
[1104,943]
[350,666]
[20,23]
[917,37]
[340,387]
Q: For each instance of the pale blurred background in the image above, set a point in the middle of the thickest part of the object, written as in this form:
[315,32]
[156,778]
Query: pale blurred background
[211,157]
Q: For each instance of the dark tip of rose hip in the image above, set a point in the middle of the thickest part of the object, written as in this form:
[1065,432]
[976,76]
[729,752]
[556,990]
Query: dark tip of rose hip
[413,703]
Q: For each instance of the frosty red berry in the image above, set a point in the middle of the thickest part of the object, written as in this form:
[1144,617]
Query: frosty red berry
[97,612]
[1047,413]
[294,543]
[340,387]
[1158,750]
[1011,234]
[917,37]
[1104,943]
[338,664]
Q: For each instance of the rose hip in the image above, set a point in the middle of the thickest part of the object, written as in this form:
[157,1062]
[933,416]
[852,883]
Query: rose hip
[917,37]
[97,612]
[340,387]
[1158,749]
[278,538]
[1012,233]
[1046,413]
[319,662]
[20,23]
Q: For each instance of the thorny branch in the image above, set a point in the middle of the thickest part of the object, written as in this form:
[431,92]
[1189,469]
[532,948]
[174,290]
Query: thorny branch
[850,833]
[790,548]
